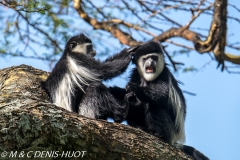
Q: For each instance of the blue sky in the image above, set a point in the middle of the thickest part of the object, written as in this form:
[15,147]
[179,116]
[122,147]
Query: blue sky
[213,115]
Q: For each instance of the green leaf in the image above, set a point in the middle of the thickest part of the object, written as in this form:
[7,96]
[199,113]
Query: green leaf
[190,69]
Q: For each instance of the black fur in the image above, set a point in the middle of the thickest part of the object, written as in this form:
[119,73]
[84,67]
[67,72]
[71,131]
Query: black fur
[194,153]
[153,99]
[93,94]
[98,95]
[150,107]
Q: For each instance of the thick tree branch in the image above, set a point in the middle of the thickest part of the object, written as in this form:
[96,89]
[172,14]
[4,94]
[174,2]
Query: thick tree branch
[28,122]
[221,15]
[231,58]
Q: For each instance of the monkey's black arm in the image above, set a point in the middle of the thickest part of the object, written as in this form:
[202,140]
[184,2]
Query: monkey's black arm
[122,55]
[118,92]
[116,65]
[103,71]
[111,68]
[154,93]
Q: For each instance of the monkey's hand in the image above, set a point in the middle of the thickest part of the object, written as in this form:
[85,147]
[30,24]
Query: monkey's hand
[133,49]
[129,96]
[132,87]
[126,53]
[131,99]
[140,92]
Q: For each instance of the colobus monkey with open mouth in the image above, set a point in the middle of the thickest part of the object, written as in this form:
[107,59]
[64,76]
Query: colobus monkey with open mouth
[156,103]
[75,82]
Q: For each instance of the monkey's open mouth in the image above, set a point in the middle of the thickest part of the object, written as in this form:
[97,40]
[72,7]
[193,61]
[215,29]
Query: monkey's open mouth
[150,69]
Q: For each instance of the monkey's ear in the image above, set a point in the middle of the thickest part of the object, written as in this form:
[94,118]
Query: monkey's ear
[72,45]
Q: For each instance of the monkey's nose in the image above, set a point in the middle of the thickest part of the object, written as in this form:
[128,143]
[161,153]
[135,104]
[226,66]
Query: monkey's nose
[94,53]
[150,62]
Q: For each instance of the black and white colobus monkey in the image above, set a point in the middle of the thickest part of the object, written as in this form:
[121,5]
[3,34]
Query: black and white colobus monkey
[156,103]
[75,82]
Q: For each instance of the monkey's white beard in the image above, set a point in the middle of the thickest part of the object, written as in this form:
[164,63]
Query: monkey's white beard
[174,98]
[159,67]
[77,75]
[62,95]
[80,75]
[150,76]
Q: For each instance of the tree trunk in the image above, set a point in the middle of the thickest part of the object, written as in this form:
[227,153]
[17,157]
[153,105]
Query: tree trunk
[30,126]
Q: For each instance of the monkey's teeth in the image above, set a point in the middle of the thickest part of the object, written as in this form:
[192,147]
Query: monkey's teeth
[149,70]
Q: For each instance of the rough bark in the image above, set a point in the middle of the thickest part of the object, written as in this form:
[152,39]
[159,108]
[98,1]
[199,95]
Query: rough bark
[28,122]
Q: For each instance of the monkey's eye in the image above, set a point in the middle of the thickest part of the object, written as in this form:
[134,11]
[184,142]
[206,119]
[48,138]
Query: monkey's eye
[72,45]
[155,58]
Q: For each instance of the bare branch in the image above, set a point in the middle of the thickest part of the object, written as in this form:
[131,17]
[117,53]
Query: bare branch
[118,21]
[174,64]
[194,17]
[40,30]
[123,37]
[180,45]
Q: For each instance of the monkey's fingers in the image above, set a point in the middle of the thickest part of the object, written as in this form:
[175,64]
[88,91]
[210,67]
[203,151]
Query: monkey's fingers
[131,87]
[133,49]
[129,96]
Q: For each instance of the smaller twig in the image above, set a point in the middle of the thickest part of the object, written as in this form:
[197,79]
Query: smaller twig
[180,45]
[194,17]
[171,60]
[200,4]
[40,30]
[231,72]
[234,47]
[190,93]
[204,66]
[153,11]
[234,7]
[118,21]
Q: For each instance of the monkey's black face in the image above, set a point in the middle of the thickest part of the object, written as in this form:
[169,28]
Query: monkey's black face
[81,44]
[149,59]
[90,50]
[150,63]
